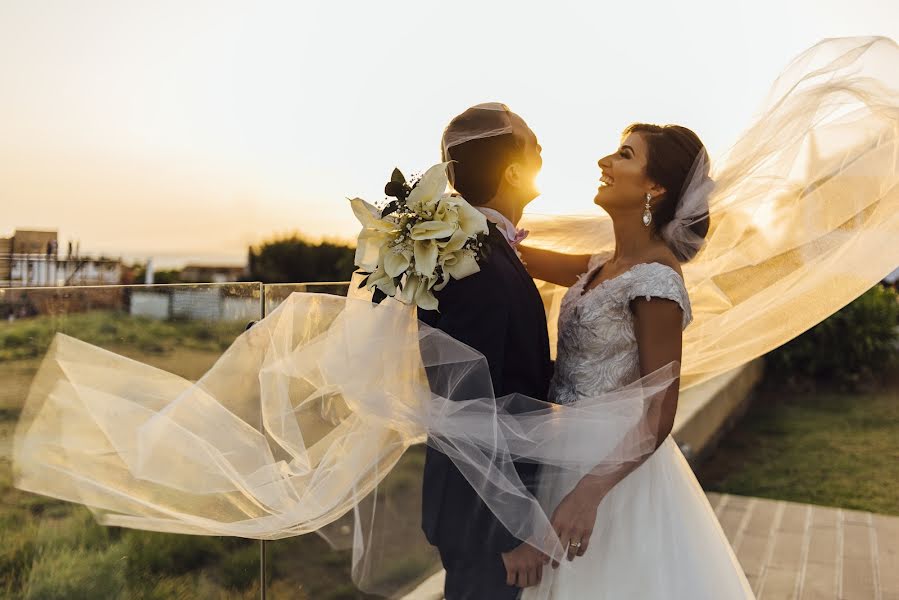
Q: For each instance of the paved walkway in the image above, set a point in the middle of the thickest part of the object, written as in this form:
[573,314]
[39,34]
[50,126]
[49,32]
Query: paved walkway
[793,551]
[806,552]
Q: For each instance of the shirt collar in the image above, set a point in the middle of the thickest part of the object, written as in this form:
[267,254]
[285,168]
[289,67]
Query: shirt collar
[512,234]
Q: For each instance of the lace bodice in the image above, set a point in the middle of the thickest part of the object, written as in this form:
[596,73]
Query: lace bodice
[597,349]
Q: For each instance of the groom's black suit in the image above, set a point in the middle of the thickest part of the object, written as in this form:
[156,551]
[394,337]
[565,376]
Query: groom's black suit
[497,311]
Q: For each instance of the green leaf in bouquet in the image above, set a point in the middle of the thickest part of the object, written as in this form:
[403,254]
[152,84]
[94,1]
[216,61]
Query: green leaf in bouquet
[392,207]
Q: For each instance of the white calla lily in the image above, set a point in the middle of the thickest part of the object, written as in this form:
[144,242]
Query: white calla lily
[460,265]
[447,210]
[410,287]
[425,299]
[396,263]
[471,220]
[432,230]
[369,247]
[417,291]
[432,185]
[425,257]
[455,243]
[376,233]
[381,280]
[370,217]
[442,284]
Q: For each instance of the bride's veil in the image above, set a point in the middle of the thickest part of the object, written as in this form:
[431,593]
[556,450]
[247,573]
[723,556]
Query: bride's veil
[805,217]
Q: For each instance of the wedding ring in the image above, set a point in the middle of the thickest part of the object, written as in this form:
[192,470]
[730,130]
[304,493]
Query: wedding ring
[574,544]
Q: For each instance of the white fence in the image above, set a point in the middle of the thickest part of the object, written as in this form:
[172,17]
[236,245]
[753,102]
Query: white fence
[205,304]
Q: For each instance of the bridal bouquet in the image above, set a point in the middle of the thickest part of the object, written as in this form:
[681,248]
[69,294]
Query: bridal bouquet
[418,241]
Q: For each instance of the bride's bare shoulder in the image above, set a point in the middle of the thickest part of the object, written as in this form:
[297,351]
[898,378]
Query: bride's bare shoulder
[664,256]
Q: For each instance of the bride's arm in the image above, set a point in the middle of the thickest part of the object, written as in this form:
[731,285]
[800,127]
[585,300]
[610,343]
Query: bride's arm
[657,328]
[554,267]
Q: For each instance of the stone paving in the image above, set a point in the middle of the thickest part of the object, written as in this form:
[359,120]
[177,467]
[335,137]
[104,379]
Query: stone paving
[805,552]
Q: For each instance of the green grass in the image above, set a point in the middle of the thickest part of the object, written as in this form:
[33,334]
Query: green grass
[76,575]
[186,348]
[30,338]
[826,448]
[69,556]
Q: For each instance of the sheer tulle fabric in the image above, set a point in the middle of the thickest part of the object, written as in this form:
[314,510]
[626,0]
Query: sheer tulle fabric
[305,414]
[299,421]
[804,215]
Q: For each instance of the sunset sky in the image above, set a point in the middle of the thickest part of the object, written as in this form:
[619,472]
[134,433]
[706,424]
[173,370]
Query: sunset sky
[188,130]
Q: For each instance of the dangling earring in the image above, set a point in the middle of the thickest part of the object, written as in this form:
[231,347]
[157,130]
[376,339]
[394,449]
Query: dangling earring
[647,214]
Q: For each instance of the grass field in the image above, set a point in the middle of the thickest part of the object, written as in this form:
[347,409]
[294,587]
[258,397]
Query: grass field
[826,448]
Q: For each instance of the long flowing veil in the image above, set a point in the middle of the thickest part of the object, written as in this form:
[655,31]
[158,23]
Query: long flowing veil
[804,219]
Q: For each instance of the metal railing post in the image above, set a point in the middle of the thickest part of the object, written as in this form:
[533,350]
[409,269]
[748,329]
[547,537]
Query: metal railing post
[263,587]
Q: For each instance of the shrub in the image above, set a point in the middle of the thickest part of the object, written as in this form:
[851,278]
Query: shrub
[850,349]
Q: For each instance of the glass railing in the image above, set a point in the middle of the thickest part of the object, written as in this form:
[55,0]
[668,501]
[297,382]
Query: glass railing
[276,293]
[55,549]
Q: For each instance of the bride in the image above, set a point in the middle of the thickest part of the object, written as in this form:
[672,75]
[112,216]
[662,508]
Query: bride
[646,529]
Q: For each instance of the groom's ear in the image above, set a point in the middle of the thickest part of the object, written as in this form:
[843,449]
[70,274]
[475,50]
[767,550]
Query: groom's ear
[514,175]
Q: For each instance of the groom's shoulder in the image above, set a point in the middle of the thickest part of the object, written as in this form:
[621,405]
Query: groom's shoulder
[487,286]
[489,277]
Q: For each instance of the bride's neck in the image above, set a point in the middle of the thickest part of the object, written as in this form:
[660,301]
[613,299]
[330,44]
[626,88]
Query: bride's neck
[632,239]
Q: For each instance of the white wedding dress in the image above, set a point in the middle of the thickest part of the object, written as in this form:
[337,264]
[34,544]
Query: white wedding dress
[656,536]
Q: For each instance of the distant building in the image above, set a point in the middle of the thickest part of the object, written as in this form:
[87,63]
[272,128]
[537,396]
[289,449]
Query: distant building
[34,242]
[193,273]
[31,259]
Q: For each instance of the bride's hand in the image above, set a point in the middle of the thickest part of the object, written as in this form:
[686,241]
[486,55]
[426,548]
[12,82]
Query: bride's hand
[575,516]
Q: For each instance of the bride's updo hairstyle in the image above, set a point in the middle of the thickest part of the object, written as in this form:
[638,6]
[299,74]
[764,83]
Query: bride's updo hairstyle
[674,155]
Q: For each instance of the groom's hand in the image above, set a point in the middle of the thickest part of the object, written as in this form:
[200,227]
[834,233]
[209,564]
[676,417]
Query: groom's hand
[524,566]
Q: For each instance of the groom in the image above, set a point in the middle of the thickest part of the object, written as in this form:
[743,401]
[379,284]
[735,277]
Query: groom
[497,311]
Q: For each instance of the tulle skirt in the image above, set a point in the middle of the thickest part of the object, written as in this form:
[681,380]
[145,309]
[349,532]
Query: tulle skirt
[656,537]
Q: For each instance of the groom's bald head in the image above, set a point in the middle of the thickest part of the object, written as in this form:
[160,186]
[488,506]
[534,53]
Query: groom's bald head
[483,142]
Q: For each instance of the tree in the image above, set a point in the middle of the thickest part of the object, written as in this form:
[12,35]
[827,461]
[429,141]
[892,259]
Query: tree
[295,259]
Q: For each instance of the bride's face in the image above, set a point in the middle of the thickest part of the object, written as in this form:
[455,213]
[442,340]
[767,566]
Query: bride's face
[623,182]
